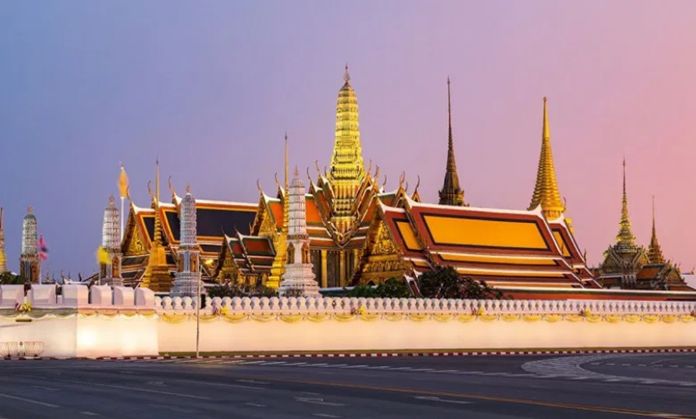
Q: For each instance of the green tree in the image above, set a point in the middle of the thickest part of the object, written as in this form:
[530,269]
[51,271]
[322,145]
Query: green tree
[8,278]
[445,282]
[391,288]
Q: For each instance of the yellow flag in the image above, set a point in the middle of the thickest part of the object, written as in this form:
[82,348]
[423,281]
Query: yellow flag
[103,256]
[123,183]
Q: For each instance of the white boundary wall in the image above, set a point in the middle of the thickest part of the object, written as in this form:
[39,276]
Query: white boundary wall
[344,324]
[120,321]
[81,322]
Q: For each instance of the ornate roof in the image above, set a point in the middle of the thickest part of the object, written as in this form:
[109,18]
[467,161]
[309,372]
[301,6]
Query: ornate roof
[498,246]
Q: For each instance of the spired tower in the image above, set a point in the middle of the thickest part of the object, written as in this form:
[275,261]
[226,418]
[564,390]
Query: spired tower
[3,256]
[29,262]
[156,276]
[110,266]
[188,275]
[546,192]
[298,276]
[347,168]
[654,250]
[451,193]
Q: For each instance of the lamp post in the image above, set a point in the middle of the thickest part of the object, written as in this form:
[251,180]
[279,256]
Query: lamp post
[198,316]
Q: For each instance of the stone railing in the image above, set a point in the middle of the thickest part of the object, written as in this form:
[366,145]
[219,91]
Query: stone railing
[344,305]
[21,349]
[76,297]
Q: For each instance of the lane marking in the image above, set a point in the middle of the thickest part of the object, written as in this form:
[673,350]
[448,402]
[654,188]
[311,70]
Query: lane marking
[145,390]
[88,413]
[24,399]
[252,404]
[437,399]
[318,400]
[252,381]
[558,405]
[325,415]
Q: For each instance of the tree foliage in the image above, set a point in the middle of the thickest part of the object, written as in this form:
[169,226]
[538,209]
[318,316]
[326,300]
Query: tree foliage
[445,282]
[8,278]
[391,288]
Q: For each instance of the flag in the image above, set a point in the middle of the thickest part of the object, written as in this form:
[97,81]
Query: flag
[123,183]
[43,249]
[102,256]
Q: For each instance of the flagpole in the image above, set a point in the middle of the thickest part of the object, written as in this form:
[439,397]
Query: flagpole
[198,317]
[123,198]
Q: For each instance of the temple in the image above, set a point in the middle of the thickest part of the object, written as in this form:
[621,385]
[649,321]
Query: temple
[29,261]
[346,229]
[628,265]
[110,258]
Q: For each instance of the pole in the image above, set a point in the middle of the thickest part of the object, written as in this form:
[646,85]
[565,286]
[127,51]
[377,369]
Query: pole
[198,317]
[122,199]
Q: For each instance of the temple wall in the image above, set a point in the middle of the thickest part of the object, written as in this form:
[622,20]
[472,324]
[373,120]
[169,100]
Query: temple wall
[342,324]
[97,322]
[121,321]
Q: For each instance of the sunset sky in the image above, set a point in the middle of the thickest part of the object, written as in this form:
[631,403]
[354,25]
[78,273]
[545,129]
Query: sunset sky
[210,87]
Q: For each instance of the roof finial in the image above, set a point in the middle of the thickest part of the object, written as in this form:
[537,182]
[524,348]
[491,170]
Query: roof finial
[346,75]
[451,193]
[625,236]
[286,162]
[654,250]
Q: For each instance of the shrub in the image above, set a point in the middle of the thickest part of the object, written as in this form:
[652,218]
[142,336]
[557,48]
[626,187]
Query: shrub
[445,282]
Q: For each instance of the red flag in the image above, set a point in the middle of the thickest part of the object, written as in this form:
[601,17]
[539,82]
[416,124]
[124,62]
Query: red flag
[43,249]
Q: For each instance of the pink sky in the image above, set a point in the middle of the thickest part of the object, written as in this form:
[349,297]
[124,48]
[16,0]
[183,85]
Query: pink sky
[211,90]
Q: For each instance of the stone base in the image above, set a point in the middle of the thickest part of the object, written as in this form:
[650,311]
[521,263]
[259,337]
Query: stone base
[186,284]
[114,282]
[299,278]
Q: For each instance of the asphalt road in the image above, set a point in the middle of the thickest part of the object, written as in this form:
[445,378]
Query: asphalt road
[611,386]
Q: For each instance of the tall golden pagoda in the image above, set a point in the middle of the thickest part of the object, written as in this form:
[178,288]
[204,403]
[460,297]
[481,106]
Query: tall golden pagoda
[347,169]
[157,276]
[625,239]
[451,193]
[654,250]
[546,192]
[280,240]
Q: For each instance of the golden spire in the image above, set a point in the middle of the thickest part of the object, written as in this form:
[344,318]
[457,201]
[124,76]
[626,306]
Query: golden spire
[347,169]
[123,183]
[625,239]
[546,191]
[654,250]
[451,193]
[280,243]
[156,201]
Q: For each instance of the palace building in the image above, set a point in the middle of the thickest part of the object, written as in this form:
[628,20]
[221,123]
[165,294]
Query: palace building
[359,233]
[628,265]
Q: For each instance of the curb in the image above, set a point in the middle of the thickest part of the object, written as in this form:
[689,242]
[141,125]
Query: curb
[374,354]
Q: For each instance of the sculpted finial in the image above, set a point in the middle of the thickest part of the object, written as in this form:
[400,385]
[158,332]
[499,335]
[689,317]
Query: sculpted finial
[346,75]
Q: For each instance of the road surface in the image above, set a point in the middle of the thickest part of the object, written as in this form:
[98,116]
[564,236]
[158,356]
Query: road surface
[598,386]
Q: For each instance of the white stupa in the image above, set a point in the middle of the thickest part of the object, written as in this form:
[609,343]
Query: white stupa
[298,277]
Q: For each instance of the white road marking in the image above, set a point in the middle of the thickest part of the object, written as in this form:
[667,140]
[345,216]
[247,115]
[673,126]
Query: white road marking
[275,363]
[23,399]
[318,400]
[325,415]
[251,381]
[46,388]
[88,413]
[252,404]
[437,399]
[145,390]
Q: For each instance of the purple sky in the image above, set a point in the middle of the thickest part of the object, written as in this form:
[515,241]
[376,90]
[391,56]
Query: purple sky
[210,87]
